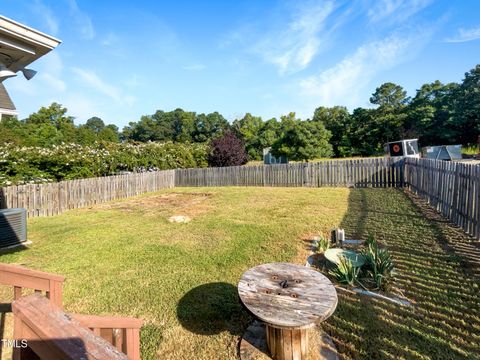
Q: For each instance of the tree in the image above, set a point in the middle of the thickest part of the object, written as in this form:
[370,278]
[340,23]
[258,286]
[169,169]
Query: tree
[227,150]
[431,114]
[269,133]
[389,95]
[209,126]
[12,131]
[95,124]
[183,123]
[365,133]
[109,133]
[44,134]
[302,140]
[146,129]
[336,120]
[85,135]
[467,107]
[390,115]
[55,114]
[249,128]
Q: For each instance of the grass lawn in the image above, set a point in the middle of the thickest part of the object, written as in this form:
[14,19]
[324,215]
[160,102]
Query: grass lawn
[125,258]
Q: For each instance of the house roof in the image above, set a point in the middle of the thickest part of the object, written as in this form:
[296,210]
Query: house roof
[21,45]
[5,102]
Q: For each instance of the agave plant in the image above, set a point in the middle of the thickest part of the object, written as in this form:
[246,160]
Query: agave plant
[345,272]
[370,240]
[378,263]
[323,244]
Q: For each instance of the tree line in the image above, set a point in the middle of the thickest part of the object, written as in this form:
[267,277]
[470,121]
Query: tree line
[437,114]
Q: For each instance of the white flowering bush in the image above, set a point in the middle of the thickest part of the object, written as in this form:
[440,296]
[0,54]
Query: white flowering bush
[21,165]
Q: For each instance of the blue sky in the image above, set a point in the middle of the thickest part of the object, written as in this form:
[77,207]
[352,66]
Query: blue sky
[122,59]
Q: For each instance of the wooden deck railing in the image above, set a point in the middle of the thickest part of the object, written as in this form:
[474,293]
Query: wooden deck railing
[51,334]
[22,278]
[122,332]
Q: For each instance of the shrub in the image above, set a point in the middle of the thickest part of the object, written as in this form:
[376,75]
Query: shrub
[378,264]
[227,150]
[20,165]
[345,272]
[323,244]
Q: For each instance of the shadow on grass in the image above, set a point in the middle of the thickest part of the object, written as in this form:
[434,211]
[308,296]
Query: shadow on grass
[212,308]
[444,320]
[12,250]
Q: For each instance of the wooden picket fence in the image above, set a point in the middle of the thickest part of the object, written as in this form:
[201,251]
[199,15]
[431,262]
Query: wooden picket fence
[374,172]
[55,198]
[452,188]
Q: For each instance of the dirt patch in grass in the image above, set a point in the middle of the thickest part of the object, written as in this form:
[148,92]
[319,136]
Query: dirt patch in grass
[189,204]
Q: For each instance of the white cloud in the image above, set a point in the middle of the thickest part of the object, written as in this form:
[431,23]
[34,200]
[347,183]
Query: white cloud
[82,20]
[194,67]
[293,48]
[55,83]
[81,107]
[464,35]
[47,16]
[133,81]
[345,82]
[110,39]
[91,79]
[396,10]
[51,72]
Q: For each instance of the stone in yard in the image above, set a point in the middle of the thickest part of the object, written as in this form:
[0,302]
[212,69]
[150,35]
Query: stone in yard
[179,219]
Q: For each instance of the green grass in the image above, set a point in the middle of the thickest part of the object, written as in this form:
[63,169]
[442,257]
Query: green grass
[437,269]
[470,150]
[125,258]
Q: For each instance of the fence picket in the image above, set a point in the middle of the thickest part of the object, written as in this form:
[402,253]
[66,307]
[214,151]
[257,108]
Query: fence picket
[55,198]
[452,188]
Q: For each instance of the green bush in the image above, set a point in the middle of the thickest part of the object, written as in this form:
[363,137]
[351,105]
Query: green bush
[344,272]
[323,244]
[378,264]
[20,165]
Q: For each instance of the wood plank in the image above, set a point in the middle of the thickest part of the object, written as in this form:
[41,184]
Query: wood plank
[59,335]
[287,295]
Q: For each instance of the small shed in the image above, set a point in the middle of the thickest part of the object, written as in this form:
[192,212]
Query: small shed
[403,148]
[269,159]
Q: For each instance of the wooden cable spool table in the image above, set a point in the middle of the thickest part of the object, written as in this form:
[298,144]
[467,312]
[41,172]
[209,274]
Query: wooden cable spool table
[289,299]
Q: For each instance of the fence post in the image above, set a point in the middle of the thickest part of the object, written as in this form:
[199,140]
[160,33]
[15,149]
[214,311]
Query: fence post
[305,175]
